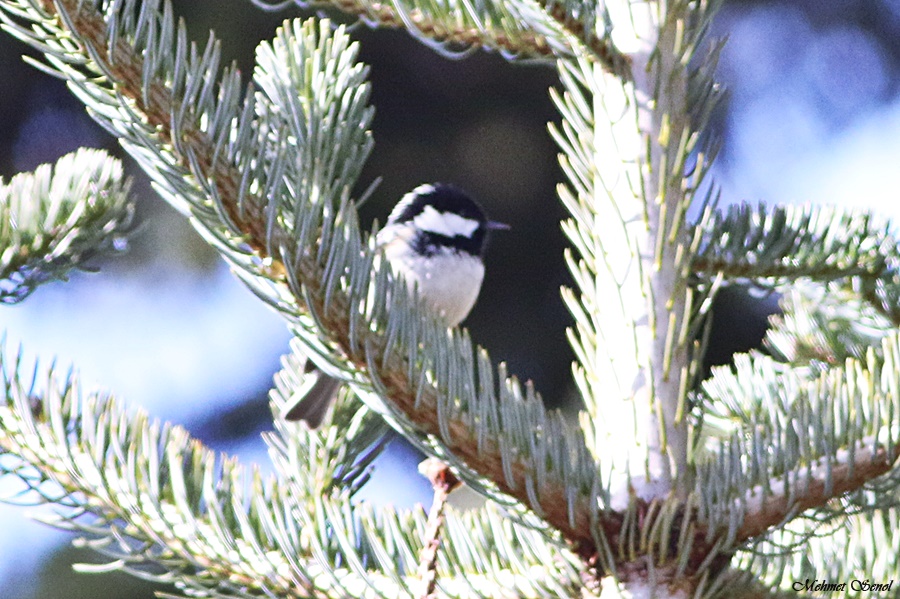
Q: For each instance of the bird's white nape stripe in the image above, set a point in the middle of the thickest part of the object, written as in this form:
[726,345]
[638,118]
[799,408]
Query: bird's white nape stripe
[408,198]
[444,223]
[422,190]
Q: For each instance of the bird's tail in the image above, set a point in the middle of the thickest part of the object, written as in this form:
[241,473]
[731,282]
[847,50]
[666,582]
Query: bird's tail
[310,405]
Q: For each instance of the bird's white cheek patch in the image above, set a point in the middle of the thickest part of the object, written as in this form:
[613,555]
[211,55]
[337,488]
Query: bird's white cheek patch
[445,223]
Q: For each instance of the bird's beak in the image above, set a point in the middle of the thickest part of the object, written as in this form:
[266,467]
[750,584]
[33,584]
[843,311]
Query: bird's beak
[495,226]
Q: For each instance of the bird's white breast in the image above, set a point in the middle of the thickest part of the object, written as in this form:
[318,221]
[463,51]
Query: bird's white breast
[448,281]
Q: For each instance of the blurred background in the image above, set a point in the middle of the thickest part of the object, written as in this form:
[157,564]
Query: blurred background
[813,114]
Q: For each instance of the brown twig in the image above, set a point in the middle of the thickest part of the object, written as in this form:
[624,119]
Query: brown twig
[443,481]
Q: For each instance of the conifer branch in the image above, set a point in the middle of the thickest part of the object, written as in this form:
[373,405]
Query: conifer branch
[434,28]
[155,496]
[57,218]
[317,462]
[799,440]
[625,146]
[825,323]
[159,505]
[542,29]
[266,174]
[853,547]
[814,486]
[791,242]
[582,23]
[606,218]
[772,247]
[291,233]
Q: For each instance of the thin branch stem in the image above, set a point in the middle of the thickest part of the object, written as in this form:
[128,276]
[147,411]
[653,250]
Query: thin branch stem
[743,270]
[443,481]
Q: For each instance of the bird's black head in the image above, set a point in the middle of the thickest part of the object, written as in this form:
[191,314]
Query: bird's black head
[444,217]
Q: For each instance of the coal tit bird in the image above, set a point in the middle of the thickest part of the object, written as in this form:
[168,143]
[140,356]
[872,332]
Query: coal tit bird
[434,238]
